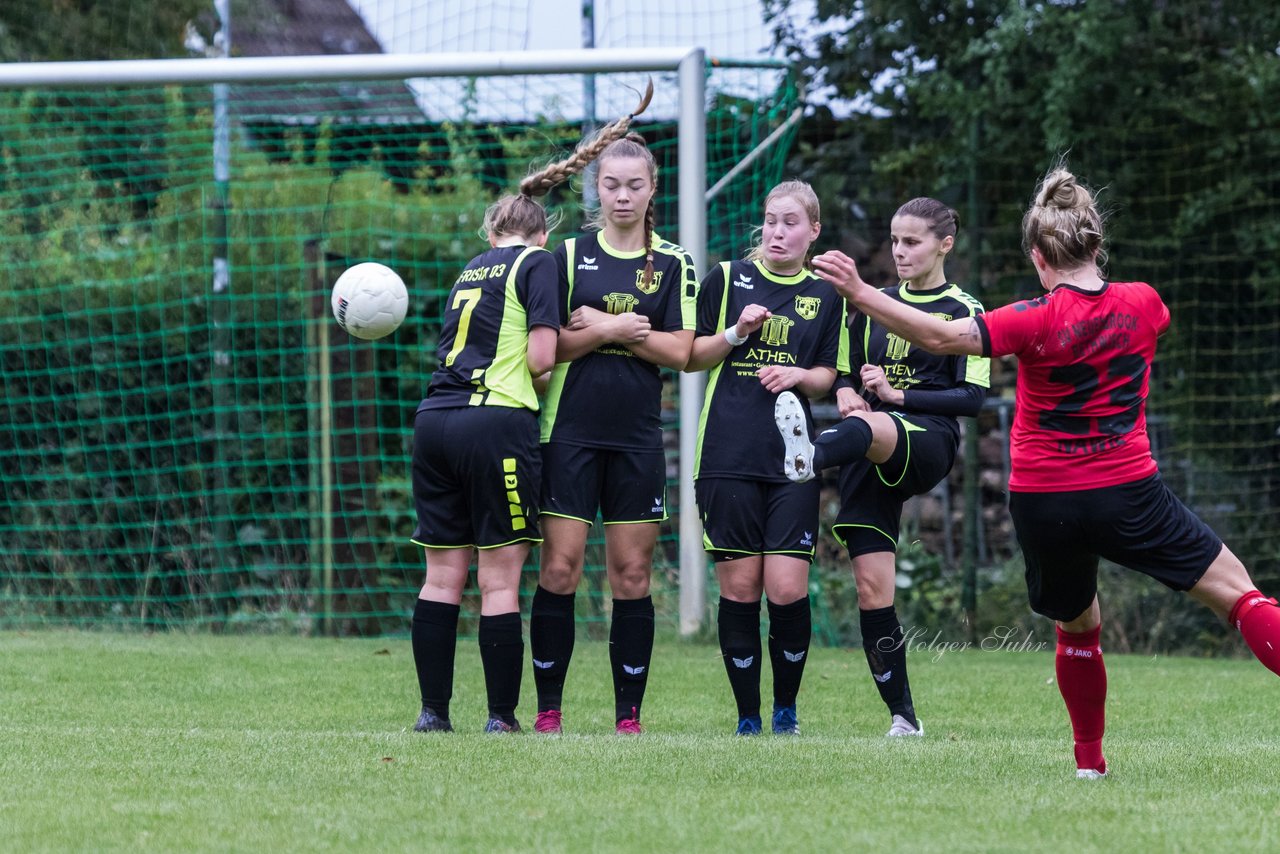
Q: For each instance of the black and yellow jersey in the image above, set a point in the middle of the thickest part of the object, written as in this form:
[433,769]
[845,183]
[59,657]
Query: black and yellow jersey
[911,369]
[610,397]
[737,437]
[484,340]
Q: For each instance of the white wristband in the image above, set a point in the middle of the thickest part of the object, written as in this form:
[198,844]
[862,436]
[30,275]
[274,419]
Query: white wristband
[731,335]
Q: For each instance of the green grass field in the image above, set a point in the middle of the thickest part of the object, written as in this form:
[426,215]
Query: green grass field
[173,742]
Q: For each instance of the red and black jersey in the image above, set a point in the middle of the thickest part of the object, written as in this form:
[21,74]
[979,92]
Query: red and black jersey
[1084,365]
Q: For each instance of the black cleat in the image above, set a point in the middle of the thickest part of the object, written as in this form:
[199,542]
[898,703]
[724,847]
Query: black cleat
[429,721]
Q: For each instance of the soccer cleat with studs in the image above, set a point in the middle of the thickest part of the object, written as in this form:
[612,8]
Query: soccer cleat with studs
[429,721]
[902,727]
[788,415]
[1096,773]
[785,721]
[631,725]
[549,722]
[750,725]
[498,725]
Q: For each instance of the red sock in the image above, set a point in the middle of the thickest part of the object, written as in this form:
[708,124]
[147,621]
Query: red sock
[1082,679]
[1257,618]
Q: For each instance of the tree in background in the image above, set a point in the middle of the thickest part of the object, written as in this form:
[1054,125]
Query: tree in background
[1167,106]
[40,30]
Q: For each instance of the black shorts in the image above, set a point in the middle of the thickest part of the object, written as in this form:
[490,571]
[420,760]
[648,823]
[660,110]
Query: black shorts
[871,496]
[1140,525]
[476,472]
[751,517]
[625,486]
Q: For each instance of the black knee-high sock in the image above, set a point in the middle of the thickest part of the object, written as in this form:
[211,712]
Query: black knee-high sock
[435,641]
[790,627]
[739,624]
[502,654]
[551,636]
[846,442]
[630,649]
[886,650]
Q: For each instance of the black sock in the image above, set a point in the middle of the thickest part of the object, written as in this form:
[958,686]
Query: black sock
[435,642]
[790,627]
[630,649]
[886,650]
[502,654]
[739,624]
[846,442]
[551,636]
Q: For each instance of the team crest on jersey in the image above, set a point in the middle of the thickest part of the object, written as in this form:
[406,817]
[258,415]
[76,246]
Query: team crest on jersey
[807,307]
[775,330]
[897,348]
[620,303]
[653,285]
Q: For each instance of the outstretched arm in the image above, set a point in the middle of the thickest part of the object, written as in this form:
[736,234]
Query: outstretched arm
[944,337]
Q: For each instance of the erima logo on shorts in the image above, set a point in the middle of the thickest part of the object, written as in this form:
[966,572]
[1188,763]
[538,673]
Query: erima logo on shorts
[807,539]
[588,264]
[514,504]
[657,505]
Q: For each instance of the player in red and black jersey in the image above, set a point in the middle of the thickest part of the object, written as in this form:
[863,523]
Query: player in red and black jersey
[899,437]
[765,325]
[629,298]
[476,462]
[1083,483]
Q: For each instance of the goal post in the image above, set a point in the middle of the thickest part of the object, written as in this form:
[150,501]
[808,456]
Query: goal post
[743,126]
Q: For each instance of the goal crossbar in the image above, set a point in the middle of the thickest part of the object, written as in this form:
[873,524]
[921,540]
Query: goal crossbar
[690,65]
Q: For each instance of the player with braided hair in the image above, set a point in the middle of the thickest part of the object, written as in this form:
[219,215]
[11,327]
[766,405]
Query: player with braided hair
[476,461]
[628,295]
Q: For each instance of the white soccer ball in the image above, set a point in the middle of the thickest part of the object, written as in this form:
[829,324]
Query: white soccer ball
[369,300]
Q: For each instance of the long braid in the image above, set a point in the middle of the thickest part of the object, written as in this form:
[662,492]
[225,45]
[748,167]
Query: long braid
[540,183]
[650,219]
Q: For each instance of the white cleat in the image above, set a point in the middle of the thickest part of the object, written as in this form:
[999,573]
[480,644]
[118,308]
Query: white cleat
[1089,774]
[789,415]
[902,727]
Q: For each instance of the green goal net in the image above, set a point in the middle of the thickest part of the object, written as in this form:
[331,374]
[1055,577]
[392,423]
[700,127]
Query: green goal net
[188,439]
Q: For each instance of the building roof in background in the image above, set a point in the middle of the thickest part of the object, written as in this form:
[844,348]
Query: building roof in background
[314,28]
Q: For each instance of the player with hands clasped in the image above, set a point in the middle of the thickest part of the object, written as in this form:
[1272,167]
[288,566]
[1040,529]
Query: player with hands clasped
[476,466]
[1083,483]
[765,325]
[630,297]
[898,438]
